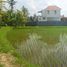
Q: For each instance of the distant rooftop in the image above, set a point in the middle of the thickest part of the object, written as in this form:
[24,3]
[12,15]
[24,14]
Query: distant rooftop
[53,8]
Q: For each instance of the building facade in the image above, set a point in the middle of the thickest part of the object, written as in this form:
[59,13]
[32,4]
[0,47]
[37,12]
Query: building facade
[51,13]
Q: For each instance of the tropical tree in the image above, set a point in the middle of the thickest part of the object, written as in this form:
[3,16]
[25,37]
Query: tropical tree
[9,16]
[35,18]
[1,10]
[25,15]
[11,11]
[15,18]
[18,17]
[11,4]
[8,19]
[21,16]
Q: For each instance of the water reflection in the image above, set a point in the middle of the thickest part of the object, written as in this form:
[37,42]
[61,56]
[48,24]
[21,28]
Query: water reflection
[39,52]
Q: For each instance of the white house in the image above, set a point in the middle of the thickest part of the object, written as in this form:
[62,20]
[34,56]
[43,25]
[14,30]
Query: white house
[51,13]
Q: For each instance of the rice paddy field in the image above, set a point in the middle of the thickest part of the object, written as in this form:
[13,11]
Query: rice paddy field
[35,46]
[49,34]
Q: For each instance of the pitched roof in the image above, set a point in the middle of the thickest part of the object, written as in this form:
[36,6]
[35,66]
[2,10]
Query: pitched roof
[53,8]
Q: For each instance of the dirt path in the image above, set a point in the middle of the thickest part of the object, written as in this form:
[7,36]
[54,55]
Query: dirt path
[7,60]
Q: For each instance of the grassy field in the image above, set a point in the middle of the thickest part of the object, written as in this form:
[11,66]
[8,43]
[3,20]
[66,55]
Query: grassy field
[49,34]
[8,48]
[9,36]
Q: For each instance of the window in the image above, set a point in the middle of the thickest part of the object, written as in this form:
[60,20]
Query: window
[48,11]
[44,18]
[39,18]
[55,11]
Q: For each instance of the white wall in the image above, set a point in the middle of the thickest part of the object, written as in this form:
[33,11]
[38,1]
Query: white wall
[52,13]
[51,16]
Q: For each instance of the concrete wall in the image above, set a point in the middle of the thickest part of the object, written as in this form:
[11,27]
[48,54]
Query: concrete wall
[53,19]
[47,23]
[52,23]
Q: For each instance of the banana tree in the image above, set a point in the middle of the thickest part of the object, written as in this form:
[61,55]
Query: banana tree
[2,3]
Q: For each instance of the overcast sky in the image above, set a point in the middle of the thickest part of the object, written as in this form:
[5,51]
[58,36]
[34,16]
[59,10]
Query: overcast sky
[36,5]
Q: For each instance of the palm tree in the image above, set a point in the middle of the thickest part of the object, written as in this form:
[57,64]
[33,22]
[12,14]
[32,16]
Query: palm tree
[11,3]
[25,15]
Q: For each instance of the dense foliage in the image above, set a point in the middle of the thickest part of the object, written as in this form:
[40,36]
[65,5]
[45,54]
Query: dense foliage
[13,17]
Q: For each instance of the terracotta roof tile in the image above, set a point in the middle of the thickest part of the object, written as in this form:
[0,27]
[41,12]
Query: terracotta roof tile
[53,8]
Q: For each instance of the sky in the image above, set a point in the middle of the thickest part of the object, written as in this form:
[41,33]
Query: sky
[36,5]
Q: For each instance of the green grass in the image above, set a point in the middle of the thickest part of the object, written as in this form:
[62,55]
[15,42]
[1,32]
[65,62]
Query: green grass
[50,34]
[1,65]
[4,43]
[7,47]
[9,36]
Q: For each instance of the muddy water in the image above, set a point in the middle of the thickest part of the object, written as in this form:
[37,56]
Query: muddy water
[39,52]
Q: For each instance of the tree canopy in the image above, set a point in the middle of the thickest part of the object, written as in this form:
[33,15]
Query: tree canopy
[13,17]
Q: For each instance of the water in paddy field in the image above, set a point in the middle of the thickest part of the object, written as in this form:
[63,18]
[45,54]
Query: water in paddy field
[39,52]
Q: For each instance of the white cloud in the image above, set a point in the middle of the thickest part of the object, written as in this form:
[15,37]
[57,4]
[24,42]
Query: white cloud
[32,4]
[36,5]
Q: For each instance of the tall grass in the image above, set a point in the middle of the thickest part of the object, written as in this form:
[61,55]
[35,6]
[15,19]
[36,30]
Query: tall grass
[34,48]
[38,52]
